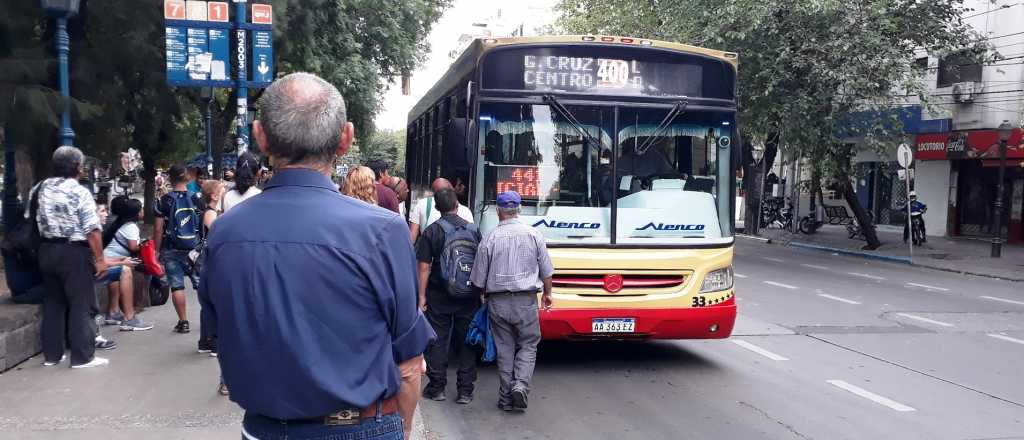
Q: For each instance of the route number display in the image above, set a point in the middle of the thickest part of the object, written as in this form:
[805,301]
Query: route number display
[524,180]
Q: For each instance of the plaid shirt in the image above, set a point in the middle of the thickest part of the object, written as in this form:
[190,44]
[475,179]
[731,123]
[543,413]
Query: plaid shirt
[66,209]
[511,258]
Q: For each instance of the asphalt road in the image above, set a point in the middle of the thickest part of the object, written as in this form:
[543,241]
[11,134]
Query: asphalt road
[826,347]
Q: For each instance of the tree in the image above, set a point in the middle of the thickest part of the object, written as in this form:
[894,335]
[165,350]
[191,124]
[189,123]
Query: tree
[806,66]
[119,86]
[388,145]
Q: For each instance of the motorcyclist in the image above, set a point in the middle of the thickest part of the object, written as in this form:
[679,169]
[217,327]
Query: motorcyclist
[917,210]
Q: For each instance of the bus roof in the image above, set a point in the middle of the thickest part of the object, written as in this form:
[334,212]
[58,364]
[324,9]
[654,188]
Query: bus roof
[469,58]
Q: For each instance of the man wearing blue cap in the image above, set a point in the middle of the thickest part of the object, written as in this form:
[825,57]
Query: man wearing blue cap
[512,264]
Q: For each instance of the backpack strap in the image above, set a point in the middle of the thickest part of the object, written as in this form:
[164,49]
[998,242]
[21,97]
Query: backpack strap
[447,226]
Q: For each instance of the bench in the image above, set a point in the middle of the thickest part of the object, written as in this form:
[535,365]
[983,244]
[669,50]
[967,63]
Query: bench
[837,215]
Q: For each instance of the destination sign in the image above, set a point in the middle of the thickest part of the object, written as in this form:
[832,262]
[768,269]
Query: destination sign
[524,180]
[607,71]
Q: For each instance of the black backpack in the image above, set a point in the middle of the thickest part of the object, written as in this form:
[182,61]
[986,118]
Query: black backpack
[23,242]
[183,226]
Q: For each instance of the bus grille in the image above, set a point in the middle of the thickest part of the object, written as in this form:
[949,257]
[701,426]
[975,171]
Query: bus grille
[617,284]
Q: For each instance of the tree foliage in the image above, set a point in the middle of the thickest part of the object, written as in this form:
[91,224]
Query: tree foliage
[119,85]
[806,66]
[388,145]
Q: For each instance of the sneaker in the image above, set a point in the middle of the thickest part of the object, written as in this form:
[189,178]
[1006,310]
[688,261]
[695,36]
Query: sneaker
[182,327]
[95,362]
[437,396]
[50,364]
[464,399]
[135,325]
[104,344]
[505,407]
[115,319]
[208,346]
[519,400]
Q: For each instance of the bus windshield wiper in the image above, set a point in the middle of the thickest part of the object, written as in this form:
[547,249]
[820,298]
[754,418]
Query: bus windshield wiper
[677,109]
[552,102]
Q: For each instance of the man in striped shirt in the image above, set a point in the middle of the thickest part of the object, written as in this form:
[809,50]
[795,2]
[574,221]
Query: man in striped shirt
[512,264]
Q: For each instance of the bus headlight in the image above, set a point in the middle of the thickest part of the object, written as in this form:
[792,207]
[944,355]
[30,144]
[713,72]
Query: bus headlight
[717,280]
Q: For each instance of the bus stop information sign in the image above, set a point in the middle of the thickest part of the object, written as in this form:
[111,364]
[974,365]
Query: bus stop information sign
[199,47]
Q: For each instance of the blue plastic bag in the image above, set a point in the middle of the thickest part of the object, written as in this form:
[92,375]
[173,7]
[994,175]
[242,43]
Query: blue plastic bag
[479,334]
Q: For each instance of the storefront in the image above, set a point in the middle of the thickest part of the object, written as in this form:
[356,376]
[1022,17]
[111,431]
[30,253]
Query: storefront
[973,163]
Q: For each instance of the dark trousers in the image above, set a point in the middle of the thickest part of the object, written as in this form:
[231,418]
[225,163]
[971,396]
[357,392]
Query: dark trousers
[451,328]
[69,302]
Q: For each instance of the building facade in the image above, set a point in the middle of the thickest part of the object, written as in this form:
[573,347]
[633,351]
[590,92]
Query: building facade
[956,166]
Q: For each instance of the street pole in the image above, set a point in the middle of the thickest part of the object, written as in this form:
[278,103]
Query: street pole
[207,94]
[63,43]
[910,218]
[997,222]
[241,85]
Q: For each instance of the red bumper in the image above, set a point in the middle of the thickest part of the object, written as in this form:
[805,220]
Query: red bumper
[687,323]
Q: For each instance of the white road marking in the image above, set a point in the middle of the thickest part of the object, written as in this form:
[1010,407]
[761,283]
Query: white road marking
[1019,303]
[864,275]
[815,266]
[892,404]
[923,319]
[1007,338]
[925,286]
[836,298]
[739,275]
[759,350]
[777,260]
[773,283]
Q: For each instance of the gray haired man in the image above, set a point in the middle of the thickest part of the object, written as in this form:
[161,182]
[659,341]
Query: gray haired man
[70,257]
[511,265]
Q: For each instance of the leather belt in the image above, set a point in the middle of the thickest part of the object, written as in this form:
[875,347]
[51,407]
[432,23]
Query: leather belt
[512,293]
[352,416]
[64,241]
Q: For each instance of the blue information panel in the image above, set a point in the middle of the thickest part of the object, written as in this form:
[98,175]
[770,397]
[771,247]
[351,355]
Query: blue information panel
[177,54]
[262,57]
[220,67]
[197,45]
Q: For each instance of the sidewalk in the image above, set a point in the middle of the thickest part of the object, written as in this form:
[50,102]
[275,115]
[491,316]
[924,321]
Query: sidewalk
[962,255]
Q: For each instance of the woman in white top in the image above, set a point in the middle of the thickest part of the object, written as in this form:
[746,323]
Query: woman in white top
[121,240]
[246,175]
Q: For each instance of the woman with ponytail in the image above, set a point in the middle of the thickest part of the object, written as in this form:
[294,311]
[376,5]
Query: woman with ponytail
[247,172]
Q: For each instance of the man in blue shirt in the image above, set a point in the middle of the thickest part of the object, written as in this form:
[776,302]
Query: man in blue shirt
[312,293]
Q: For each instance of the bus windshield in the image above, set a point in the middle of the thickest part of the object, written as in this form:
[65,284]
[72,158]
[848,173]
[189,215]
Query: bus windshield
[667,171]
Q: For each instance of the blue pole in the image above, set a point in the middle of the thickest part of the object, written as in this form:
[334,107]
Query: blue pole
[241,85]
[63,43]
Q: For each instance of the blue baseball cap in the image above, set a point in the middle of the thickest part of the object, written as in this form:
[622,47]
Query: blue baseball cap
[509,199]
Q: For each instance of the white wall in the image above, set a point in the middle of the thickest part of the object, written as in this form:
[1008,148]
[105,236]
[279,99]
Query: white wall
[931,181]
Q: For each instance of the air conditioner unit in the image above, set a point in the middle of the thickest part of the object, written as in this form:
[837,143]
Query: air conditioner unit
[965,91]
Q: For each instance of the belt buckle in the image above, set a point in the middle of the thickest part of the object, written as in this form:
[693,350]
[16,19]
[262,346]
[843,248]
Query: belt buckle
[343,418]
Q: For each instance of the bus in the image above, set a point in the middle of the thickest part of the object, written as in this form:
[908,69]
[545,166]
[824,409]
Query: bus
[622,150]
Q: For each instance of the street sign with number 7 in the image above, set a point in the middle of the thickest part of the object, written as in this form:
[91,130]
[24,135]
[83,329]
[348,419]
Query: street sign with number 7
[174,9]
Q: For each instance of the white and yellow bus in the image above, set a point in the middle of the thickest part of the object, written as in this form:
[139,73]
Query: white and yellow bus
[622,151]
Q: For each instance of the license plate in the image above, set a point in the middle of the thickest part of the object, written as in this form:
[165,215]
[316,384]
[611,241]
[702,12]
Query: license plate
[613,325]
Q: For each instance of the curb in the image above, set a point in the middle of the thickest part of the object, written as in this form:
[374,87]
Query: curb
[870,256]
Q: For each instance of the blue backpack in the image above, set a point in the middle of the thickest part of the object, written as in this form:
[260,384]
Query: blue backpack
[460,243]
[183,223]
